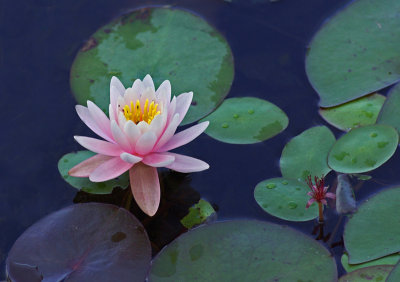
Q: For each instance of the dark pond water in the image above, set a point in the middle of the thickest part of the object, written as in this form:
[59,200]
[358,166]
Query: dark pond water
[38,42]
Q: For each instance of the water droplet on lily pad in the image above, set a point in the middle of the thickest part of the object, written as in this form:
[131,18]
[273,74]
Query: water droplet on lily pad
[292,205]
[271,185]
[225,125]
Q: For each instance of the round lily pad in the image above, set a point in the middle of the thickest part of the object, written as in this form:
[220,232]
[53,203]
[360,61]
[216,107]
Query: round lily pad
[390,113]
[388,260]
[307,154]
[355,52]
[363,149]
[84,242]
[68,161]
[286,199]
[374,230]
[169,44]
[243,250]
[394,275]
[246,120]
[372,273]
[360,112]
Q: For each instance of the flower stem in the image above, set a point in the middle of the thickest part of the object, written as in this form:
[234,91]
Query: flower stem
[321,212]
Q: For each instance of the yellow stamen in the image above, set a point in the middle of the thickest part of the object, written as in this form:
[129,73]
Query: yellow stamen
[134,111]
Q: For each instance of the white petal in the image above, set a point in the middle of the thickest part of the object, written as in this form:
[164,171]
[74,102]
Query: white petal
[157,124]
[120,137]
[149,95]
[115,82]
[121,120]
[143,126]
[132,131]
[138,87]
[145,143]
[163,93]
[129,158]
[131,95]
[183,102]
[168,133]
[148,82]
[171,109]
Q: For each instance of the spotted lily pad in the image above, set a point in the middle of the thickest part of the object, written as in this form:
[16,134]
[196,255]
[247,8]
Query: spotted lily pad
[68,161]
[307,153]
[363,111]
[374,230]
[356,52]
[246,120]
[168,44]
[243,250]
[84,242]
[390,113]
[286,199]
[388,260]
[198,214]
[372,273]
[363,149]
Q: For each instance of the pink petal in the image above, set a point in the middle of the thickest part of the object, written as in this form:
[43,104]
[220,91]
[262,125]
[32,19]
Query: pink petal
[115,82]
[184,137]
[113,108]
[148,82]
[145,143]
[171,110]
[168,133]
[330,195]
[163,93]
[99,146]
[186,164]
[85,168]
[120,137]
[85,116]
[145,187]
[158,160]
[109,170]
[99,118]
[324,202]
[157,125]
[183,103]
[312,200]
[129,158]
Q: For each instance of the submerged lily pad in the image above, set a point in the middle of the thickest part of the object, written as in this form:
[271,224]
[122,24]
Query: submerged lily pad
[390,113]
[360,112]
[168,44]
[246,120]
[363,149]
[285,198]
[373,232]
[243,250]
[388,260]
[68,161]
[85,242]
[307,153]
[372,273]
[198,214]
[356,52]
[345,198]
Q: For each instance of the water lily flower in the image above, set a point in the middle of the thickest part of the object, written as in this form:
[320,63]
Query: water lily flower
[318,194]
[138,135]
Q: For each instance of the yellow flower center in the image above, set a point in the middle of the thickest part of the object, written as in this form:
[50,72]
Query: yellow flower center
[135,113]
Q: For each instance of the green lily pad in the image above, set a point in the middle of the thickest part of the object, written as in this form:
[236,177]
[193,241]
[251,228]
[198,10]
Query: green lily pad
[246,120]
[356,52]
[68,161]
[285,198]
[372,273]
[363,111]
[243,250]
[363,149]
[168,44]
[198,214]
[394,275]
[388,260]
[390,113]
[307,153]
[373,232]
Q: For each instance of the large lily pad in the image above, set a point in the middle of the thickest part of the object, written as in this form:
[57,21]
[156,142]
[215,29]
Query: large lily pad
[246,120]
[388,260]
[390,113]
[356,52]
[363,111]
[363,149]
[372,273]
[285,198]
[307,153]
[85,242]
[68,161]
[165,43]
[374,231]
[241,250]
[394,276]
